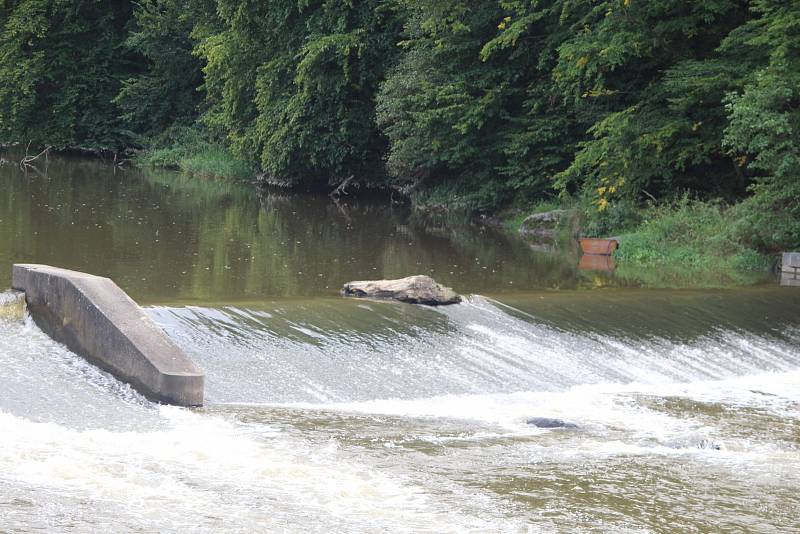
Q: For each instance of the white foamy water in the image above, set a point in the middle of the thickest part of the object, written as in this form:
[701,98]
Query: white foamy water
[370,417]
[389,351]
[203,472]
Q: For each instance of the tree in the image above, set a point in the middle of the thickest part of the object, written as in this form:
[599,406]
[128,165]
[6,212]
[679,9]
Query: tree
[61,65]
[294,83]
[470,109]
[165,93]
[763,134]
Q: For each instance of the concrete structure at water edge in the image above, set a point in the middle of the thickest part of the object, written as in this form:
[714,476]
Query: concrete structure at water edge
[790,269]
[97,320]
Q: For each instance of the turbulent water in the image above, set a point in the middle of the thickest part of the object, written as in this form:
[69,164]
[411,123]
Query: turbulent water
[333,415]
[348,416]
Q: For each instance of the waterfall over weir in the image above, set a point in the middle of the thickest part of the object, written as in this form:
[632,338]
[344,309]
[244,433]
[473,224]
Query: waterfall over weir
[342,416]
[333,351]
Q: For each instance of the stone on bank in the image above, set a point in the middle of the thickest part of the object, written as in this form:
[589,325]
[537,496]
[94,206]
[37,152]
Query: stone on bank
[790,269]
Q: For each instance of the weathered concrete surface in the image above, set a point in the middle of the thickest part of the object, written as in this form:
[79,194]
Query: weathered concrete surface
[418,289]
[791,262]
[97,320]
[789,280]
[12,305]
[790,269]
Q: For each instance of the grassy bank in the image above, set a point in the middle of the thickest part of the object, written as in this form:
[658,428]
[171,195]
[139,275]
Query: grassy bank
[689,244]
[208,160]
[684,243]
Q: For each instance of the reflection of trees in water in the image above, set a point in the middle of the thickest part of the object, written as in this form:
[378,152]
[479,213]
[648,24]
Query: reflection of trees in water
[515,264]
[164,236]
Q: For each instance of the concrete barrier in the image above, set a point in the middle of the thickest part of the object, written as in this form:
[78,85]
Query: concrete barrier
[791,262]
[790,269]
[97,320]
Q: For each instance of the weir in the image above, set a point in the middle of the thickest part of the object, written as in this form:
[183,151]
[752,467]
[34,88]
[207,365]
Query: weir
[97,320]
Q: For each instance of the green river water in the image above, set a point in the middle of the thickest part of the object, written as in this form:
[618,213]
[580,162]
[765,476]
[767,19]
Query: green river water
[326,414]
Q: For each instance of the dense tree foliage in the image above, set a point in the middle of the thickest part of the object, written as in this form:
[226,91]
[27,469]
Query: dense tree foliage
[762,133]
[294,83]
[473,118]
[165,94]
[61,65]
[474,104]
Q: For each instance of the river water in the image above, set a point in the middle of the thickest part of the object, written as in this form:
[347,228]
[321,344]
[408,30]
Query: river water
[332,415]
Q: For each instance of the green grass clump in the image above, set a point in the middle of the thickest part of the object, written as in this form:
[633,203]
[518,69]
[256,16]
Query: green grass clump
[215,161]
[195,152]
[688,243]
[206,160]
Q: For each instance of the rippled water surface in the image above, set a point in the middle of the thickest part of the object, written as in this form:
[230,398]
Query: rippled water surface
[333,415]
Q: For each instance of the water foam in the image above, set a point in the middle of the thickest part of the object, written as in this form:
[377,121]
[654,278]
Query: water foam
[207,472]
[470,349]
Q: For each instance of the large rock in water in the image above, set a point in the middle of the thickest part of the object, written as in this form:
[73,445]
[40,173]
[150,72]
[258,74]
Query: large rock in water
[418,289]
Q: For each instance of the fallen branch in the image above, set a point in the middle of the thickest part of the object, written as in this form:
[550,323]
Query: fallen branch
[650,196]
[119,162]
[27,160]
[341,189]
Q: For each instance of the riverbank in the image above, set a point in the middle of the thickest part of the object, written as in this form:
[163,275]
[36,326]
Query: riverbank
[210,160]
[679,244]
[683,243]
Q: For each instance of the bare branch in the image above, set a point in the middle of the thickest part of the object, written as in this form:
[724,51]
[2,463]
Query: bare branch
[341,189]
[27,160]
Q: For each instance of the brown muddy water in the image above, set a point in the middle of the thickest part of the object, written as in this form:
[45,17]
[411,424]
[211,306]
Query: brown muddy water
[334,415]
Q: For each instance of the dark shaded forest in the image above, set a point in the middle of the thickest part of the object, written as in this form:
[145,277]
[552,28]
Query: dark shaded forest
[610,104]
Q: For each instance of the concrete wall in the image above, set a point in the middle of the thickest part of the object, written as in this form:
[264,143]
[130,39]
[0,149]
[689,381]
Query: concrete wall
[99,321]
[790,269]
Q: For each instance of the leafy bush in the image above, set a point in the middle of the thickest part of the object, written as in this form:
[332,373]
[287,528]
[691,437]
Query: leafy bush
[616,218]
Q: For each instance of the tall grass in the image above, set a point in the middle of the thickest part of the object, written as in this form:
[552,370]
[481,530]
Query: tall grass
[690,243]
[196,152]
[683,243]
[206,160]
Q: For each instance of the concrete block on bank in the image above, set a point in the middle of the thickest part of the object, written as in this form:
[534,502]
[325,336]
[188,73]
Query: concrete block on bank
[791,262]
[790,280]
[97,320]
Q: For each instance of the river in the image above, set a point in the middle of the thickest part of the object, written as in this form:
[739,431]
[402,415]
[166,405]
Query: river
[326,414]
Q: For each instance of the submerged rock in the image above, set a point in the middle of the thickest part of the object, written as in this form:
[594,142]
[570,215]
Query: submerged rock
[418,289]
[710,444]
[549,422]
[12,305]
